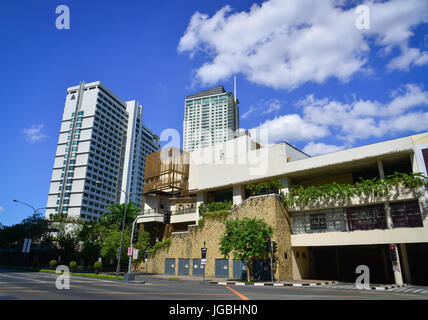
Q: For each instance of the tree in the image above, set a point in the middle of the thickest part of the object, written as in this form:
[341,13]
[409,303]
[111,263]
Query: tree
[112,241]
[245,239]
[114,217]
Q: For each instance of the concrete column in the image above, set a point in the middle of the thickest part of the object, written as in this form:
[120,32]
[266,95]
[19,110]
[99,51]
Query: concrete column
[380,168]
[414,162]
[389,222]
[405,260]
[398,276]
[238,194]
[286,182]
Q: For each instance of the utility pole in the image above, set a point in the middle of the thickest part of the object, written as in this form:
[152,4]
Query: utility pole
[134,237]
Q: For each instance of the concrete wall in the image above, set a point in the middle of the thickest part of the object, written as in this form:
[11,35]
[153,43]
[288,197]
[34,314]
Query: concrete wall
[271,161]
[189,244]
[301,263]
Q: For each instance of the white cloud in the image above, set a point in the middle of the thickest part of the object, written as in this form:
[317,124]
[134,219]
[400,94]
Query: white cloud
[1,209]
[264,107]
[283,44]
[250,111]
[315,149]
[409,57]
[363,119]
[34,134]
[272,106]
[290,127]
[406,111]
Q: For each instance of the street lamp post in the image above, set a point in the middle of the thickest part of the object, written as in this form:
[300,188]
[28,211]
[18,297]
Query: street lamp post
[126,278]
[35,213]
[129,276]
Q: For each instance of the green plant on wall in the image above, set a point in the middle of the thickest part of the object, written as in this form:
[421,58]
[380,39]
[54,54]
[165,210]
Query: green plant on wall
[159,245]
[266,187]
[214,210]
[376,187]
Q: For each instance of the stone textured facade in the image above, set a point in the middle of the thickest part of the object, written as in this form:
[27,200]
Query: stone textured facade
[189,244]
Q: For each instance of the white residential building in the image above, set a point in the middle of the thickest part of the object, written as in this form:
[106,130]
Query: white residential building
[210,116]
[98,132]
[139,143]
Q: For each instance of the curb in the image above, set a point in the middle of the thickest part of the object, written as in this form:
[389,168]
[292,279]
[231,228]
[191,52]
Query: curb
[312,284]
[390,287]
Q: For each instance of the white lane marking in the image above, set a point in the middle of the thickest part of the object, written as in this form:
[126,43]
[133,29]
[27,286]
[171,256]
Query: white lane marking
[24,278]
[53,276]
[420,290]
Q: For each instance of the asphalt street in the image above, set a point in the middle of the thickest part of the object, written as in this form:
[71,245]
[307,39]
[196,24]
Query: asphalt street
[42,286]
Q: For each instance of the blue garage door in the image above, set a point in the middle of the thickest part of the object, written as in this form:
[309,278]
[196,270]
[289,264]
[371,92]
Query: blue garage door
[169,265]
[183,266]
[261,269]
[222,268]
[239,271]
[197,267]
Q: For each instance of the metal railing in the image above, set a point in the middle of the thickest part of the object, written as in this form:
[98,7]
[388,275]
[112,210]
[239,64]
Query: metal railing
[150,211]
[184,211]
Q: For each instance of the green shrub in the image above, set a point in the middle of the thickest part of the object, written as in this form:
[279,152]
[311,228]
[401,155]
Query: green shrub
[159,245]
[216,206]
[201,223]
[97,266]
[53,264]
[72,265]
[266,187]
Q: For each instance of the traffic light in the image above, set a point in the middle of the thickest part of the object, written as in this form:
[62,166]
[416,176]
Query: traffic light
[267,244]
[167,217]
[135,236]
[274,247]
[393,255]
[146,255]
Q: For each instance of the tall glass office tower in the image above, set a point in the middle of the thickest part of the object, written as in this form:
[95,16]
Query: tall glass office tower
[210,116]
[93,161]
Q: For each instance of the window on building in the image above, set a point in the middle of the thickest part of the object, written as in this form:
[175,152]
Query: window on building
[406,214]
[366,217]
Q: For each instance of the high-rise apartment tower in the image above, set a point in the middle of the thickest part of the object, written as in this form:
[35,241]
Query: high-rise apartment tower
[101,150]
[210,116]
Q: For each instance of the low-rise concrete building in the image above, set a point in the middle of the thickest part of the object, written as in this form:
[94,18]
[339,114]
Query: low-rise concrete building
[328,239]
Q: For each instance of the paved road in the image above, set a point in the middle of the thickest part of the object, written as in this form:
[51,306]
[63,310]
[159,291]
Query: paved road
[41,286]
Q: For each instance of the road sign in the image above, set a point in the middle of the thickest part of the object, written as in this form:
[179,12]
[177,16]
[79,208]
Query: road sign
[203,261]
[135,254]
[129,251]
[24,247]
[203,253]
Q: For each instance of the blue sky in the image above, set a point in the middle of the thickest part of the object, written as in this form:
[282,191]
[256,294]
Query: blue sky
[305,72]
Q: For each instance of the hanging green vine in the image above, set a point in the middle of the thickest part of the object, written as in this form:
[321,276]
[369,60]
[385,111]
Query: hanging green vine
[376,187]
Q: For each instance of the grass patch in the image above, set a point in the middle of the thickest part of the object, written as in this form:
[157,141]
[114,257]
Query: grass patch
[92,275]
[174,278]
